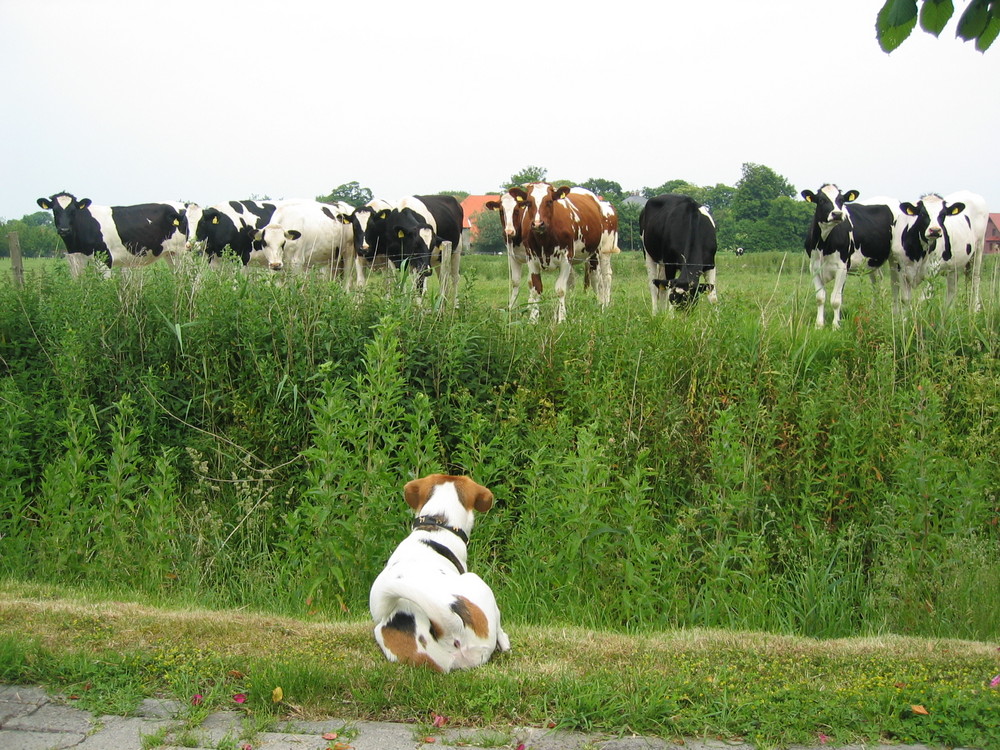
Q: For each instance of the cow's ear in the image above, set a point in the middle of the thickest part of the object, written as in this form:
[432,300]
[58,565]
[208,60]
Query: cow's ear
[384,213]
[808,196]
[401,234]
[44,203]
[177,222]
[345,219]
[492,205]
[292,234]
[955,209]
[562,192]
[215,219]
[518,193]
[908,208]
[84,203]
[851,195]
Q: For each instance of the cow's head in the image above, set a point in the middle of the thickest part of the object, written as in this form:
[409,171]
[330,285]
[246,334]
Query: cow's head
[365,225]
[64,208]
[411,241]
[217,230]
[683,293]
[829,203]
[538,198]
[271,242]
[927,218]
[511,206]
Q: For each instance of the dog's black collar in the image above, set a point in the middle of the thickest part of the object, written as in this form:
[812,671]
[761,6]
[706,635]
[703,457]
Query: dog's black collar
[435,522]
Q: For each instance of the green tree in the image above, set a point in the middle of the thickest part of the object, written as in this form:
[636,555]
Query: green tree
[459,195]
[758,186]
[488,236]
[980,22]
[349,192]
[526,175]
[629,237]
[670,186]
[36,240]
[607,189]
[38,219]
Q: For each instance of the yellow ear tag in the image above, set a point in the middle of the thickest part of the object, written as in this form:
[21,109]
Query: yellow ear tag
[402,234]
[519,199]
[956,211]
[910,212]
[177,222]
[215,219]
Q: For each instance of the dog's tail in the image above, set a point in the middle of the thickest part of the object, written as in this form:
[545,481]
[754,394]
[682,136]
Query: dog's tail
[439,607]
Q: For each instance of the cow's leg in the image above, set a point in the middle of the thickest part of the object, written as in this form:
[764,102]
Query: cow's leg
[819,283]
[952,279]
[713,296]
[515,267]
[652,270]
[837,298]
[604,279]
[562,284]
[455,269]
[974,272]
[535,287]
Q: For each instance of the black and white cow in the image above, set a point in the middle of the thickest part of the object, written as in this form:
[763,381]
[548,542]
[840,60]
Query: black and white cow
[308,234]
[421,232]
[367,224]
[846,236]
[235,225]
[125,236]
[678,235]
[939,235]
[445,216]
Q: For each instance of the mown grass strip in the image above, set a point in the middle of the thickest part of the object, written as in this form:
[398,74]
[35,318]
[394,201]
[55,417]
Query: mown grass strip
[767,689]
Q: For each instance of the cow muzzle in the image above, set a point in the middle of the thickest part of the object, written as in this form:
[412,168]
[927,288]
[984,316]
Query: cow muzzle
[934,233]
[836,216]
[276,266]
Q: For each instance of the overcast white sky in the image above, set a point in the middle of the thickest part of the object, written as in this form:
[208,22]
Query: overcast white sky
[129,101]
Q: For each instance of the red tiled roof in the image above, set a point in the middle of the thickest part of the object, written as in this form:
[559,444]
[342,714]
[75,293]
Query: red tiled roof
[473,205]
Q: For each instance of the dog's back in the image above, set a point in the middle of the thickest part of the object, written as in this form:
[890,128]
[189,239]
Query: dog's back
[428,609]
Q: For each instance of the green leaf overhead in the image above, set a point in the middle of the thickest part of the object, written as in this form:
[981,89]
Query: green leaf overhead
[934,14]
[975,20]
[895,22]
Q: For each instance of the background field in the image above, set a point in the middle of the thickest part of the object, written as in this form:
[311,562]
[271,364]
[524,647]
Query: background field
[238,441]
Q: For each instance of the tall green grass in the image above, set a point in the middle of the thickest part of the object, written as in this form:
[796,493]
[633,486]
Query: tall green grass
[242,441]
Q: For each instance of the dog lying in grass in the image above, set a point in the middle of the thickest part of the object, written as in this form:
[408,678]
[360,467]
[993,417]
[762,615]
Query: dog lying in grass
[428,608]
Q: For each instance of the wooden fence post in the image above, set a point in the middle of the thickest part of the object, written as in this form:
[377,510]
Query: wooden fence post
[16,264]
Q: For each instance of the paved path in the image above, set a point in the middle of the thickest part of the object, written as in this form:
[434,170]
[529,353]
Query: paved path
[32,720]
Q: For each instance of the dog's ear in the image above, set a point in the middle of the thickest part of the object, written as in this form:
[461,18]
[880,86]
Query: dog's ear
[474,495]
[417,492]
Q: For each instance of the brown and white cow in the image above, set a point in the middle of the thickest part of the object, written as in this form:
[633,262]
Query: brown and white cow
[512,210]
[565,226]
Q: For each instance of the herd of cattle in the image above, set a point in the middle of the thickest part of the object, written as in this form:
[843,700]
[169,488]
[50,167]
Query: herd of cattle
[544,228]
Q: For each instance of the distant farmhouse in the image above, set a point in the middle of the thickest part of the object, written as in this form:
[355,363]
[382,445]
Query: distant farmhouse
[993,234]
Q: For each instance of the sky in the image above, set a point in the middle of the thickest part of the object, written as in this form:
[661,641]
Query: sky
[132,101]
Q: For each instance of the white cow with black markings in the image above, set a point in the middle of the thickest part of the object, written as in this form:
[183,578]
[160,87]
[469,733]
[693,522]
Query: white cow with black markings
[311,235]
[939,235]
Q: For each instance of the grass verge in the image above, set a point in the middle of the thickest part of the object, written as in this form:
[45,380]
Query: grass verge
[766,689]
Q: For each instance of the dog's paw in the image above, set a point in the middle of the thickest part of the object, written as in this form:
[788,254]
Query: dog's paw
[503,642]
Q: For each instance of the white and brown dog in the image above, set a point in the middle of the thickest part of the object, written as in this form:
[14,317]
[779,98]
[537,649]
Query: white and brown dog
[428,608]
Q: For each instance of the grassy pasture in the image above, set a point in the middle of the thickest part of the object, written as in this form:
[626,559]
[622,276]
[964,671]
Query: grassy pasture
[684,485]
[242,440]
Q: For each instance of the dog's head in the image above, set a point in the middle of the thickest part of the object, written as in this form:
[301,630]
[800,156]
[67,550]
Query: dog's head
[471,495]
